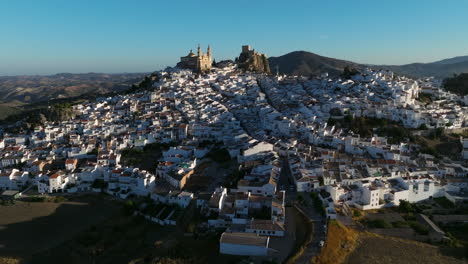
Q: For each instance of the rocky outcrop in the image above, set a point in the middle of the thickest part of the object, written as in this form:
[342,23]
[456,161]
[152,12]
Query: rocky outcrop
[252,61]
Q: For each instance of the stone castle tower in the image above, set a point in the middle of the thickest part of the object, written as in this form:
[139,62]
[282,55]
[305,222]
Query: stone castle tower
[250,60]
[200,62]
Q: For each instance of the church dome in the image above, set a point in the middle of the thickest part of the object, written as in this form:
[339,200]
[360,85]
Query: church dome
[191,54]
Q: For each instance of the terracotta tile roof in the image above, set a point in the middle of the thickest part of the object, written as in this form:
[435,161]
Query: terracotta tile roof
[55,175]
[71,161]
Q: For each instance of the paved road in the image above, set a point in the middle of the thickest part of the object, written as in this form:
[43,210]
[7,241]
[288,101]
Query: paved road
[286,183]
[319,229]
[308,209]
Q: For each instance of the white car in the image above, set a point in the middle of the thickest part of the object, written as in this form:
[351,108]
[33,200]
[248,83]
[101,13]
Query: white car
[321,243]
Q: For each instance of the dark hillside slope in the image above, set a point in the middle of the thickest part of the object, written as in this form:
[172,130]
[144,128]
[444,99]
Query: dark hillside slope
[308,64]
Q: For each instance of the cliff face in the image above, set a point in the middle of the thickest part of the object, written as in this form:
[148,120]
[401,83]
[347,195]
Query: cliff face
[253,62]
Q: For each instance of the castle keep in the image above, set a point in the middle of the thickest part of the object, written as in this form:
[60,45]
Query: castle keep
[199,62]
[250,60]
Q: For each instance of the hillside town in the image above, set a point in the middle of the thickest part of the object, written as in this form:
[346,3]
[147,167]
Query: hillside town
[282,137]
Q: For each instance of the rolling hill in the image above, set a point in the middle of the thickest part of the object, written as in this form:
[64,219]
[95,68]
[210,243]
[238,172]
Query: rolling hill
[452,60]
[439,69]
[30,89]
[310,64]
[18,93]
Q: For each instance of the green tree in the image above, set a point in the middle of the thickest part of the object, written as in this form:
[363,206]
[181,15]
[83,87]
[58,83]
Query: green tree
[405,207]
[457,84]
[422,127]
[349,72]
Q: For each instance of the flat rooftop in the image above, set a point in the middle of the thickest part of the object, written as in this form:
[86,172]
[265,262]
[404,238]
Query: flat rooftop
[9,193]
[246,239]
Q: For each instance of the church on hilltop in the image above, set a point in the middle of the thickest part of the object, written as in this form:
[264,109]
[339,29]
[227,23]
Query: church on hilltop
[199,62]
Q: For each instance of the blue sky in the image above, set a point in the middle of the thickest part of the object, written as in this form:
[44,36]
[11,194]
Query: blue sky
[45,37]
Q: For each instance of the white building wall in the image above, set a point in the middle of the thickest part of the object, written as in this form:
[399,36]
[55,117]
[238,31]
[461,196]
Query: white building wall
[242,250]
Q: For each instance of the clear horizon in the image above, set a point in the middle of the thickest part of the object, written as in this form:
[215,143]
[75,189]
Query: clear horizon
[49,37]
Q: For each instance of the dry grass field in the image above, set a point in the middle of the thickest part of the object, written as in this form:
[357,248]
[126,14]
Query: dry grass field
[347,245]
[341,241]
[388,250]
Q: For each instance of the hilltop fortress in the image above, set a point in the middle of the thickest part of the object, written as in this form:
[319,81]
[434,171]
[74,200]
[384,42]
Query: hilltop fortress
[250,60]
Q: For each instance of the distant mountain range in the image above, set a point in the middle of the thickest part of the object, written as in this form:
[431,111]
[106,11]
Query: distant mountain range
[308,64]
[453,60]
[34,88]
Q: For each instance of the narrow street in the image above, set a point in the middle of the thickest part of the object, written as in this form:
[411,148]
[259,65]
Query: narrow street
[307,208]
[319,228]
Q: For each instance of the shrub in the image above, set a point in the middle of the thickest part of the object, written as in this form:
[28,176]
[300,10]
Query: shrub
[424,98]
[405,207]
[418,228]
[399,224]
[378,223]
[444,202]
[437,133]
[423,127]
[37,199]
[318,205]
[349,72]
[131,151]
[357,213]
[300,198]
[409,217]
[428,150]
[99,184]
[129,207]
[59,199]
